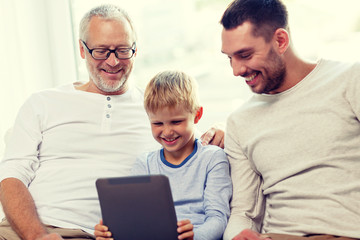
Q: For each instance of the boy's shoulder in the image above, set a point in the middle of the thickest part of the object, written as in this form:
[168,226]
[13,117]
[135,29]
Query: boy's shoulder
[211,152]
[208,148]
[149,156]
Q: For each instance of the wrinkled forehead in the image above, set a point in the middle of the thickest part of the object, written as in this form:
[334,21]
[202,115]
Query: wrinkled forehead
[110,31]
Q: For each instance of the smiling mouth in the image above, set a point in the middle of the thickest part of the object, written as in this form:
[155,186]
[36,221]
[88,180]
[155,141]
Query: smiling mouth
[251,77]
[170,139]
[111,71]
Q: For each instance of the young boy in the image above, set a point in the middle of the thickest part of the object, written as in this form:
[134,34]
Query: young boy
[199,175]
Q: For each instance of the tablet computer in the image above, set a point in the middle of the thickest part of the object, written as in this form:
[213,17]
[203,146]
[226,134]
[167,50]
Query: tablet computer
[138,207]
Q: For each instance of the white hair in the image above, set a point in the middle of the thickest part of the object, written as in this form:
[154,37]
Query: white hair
[106,11]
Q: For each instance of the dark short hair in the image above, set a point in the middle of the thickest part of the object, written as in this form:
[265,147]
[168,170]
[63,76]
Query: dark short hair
[265,15]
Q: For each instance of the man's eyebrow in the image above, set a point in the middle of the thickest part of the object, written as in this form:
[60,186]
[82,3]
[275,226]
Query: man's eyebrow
[107,46]
[238,52]
[241,51]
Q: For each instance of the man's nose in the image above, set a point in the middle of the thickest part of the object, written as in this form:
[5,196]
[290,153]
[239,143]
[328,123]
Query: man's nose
[112,60]
[239,68]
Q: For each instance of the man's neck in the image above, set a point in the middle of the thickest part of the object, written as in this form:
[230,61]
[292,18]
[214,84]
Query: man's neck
[296,69]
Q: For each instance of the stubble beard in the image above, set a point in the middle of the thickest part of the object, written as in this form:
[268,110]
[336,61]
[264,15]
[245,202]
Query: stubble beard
[103,85]
[277,75]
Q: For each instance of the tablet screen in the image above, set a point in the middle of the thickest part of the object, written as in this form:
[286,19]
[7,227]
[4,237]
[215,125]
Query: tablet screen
[138,207]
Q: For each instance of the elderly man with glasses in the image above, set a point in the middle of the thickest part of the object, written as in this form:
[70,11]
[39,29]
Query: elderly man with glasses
[67,137]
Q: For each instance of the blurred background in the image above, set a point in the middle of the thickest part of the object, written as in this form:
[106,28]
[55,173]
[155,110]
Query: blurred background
[39,46]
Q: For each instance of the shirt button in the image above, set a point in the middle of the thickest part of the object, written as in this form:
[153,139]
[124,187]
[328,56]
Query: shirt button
[108,98]
[107,115]
[109,105]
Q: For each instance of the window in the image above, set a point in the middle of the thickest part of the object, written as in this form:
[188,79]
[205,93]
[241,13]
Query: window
[189,36]
[187,31]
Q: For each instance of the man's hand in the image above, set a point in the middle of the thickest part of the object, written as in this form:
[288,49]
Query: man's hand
[248,234]
[51,236]
[214,136]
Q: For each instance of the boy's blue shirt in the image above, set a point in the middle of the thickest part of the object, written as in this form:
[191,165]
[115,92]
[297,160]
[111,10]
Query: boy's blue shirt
[201,187]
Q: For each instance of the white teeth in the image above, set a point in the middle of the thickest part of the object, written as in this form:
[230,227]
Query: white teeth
[169,140]
[250,78]
[112,71]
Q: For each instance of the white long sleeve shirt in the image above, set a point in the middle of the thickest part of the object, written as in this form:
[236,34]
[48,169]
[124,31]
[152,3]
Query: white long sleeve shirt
[295,157]
[64,139]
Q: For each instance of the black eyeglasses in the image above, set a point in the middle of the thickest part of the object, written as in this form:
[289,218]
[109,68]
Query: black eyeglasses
[104,53]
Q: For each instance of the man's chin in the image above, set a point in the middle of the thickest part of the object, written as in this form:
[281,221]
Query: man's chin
[256,89]
[114,88]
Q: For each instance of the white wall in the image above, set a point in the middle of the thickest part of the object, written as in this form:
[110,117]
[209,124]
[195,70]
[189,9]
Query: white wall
[37,52]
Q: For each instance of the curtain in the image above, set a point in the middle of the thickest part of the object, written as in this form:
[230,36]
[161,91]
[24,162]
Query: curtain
[36,52]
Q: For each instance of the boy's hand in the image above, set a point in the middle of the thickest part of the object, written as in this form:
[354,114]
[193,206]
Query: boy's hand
[185,230]
[102,232]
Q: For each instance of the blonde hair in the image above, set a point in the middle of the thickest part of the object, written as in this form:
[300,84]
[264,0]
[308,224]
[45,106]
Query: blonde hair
[171,89]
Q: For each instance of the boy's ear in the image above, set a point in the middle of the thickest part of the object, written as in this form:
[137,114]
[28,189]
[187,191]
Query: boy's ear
[198,115]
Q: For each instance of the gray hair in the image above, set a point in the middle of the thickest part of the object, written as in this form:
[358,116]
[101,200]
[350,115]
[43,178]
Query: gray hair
[106,11]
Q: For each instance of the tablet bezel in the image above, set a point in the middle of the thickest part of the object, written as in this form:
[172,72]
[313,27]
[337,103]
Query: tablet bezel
[138,207]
